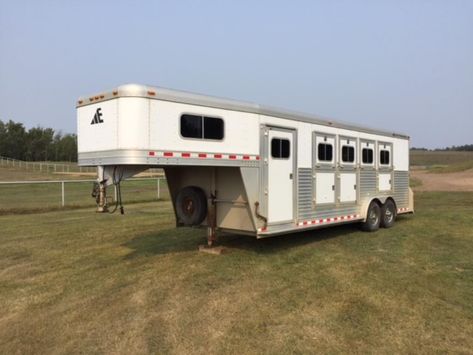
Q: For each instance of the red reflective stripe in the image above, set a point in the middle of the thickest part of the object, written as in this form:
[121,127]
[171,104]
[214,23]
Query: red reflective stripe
[186,155]
[218,156]
[232,156]
[202,155]
[151,154]
[168,154]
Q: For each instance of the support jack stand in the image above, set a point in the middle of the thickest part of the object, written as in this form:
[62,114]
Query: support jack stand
[211,233]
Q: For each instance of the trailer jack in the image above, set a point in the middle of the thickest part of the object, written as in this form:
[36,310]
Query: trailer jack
[211,222]
[211,230]
[99,192]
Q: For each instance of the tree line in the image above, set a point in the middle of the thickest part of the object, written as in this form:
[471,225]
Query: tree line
[456,148]
[36,144]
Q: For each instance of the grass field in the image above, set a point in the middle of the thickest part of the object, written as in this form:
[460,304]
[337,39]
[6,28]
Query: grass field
[440,158]
[79,282]
[23,198]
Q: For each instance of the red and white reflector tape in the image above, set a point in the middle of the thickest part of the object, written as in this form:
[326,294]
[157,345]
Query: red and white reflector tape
[217,156]
[320,221]
[327,220]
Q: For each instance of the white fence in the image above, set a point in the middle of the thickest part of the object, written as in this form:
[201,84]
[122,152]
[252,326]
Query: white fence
[46,166]
[52,167]
[32,195]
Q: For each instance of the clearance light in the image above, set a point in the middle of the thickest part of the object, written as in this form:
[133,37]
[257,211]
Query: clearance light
[151,93]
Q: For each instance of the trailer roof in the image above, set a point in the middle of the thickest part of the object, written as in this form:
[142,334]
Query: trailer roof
[152,92]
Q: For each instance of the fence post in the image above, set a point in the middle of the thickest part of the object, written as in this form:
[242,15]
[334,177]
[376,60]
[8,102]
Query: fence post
[62,193]
[159,190]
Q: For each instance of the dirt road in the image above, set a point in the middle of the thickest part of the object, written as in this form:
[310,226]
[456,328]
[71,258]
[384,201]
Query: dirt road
[461,181]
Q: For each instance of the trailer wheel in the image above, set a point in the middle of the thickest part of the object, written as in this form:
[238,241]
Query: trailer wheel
[388,214]
[373,218]
[191,206]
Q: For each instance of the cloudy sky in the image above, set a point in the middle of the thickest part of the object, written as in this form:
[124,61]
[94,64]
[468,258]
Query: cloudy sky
[405,66]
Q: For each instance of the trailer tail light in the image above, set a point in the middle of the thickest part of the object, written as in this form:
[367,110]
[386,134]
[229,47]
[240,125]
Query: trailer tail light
[186,155]
[168,154]
[218,156]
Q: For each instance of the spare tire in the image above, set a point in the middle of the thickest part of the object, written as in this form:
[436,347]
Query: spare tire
[191,206]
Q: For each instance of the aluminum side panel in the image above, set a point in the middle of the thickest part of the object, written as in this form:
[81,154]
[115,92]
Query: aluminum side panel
[401,188]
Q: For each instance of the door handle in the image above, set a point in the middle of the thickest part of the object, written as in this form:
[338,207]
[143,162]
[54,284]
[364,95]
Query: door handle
[290,176]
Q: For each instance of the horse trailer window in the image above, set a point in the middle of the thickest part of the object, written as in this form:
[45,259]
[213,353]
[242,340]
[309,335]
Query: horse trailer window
[325,152]
[213,128]
[384,157]
[348,154]
[280,148]
[367,156]
[193,126]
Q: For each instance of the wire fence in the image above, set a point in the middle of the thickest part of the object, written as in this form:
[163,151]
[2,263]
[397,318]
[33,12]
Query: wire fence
[56,194]
[47,167]
[53,167]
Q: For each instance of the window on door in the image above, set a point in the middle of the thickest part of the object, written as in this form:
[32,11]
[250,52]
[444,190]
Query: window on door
[367,156]
[384,157]
[280,148]
[348,154]
[325,152]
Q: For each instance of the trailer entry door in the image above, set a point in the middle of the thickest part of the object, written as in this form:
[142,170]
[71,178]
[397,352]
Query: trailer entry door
[281,155]
[324,158]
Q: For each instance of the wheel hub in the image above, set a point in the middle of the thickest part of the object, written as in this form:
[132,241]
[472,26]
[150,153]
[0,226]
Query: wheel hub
[188,206]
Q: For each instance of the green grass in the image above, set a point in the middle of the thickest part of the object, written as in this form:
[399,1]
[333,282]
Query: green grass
[431,158]
[79,282]
[414,182]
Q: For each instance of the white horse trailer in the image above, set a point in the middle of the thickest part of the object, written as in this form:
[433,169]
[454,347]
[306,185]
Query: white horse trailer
[242,167]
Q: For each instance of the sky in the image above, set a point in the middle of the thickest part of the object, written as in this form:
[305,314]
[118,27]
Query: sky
[404,66]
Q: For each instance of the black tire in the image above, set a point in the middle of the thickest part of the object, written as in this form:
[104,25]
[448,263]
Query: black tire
[388,214]
[373,218]
[191,206]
